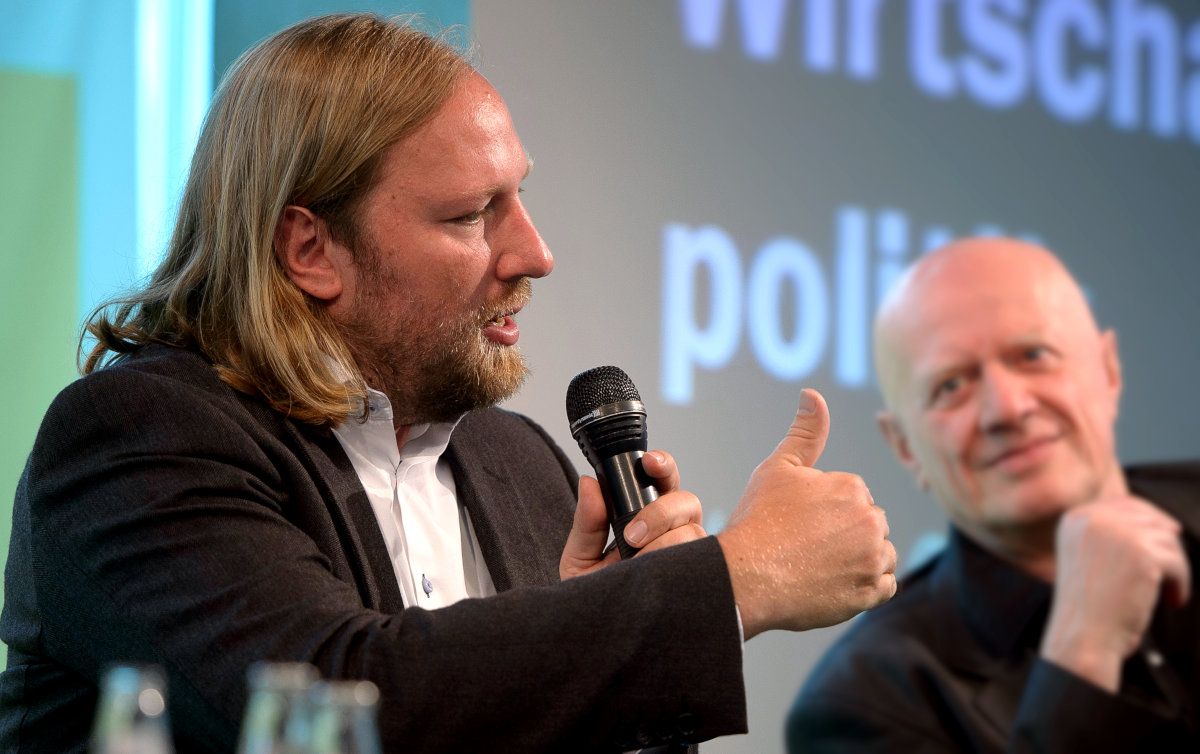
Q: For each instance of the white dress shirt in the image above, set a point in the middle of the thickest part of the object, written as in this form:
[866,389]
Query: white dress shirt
[429,536]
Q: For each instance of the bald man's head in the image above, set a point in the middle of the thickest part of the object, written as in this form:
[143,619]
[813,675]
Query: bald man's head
[1001,391]
[959,279]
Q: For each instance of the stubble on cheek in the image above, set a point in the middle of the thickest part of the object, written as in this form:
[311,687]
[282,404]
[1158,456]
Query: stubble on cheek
[435,368]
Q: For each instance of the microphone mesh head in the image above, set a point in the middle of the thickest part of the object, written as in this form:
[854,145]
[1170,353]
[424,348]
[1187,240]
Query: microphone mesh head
[594,388]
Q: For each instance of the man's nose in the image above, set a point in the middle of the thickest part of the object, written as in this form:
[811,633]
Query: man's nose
[1005,398]
[522,252]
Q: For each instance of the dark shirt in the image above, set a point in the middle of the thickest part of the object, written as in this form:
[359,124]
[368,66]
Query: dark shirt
[951,664]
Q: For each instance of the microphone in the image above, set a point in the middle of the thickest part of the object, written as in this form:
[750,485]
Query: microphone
[608,421]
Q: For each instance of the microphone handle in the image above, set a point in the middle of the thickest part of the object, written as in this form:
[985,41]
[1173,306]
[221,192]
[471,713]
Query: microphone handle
[627,489]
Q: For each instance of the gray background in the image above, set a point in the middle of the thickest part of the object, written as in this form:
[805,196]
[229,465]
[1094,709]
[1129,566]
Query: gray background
[632,129]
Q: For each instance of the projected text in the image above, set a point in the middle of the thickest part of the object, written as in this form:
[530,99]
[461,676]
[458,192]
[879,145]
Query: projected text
[703,326]
[1131,63]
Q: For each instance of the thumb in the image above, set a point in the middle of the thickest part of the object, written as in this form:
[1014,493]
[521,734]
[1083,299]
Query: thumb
[589,529]
[805,439]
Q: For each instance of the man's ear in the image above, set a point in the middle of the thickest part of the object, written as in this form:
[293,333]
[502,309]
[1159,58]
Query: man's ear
[309,256]
[1112,359]
[893,433]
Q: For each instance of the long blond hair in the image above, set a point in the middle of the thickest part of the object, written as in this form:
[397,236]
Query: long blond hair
[301,119]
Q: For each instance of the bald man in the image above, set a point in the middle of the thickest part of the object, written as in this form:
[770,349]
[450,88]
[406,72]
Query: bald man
[1058,617]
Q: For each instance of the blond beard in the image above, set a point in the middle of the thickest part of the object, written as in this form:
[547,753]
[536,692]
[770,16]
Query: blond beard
[436,373]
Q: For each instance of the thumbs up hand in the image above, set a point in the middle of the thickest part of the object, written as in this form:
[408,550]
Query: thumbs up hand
[806,548]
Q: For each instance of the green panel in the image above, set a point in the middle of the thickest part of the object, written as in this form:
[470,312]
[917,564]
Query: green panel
[38,262]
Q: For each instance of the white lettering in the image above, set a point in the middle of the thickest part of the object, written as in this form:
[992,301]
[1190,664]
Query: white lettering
[1073,99]
[1131,62]
[837,308]
[989,27]
[779,262]
[685,343]
[932,71]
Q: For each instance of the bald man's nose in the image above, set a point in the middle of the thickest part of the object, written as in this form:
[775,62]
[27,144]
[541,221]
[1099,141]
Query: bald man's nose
[1005,398]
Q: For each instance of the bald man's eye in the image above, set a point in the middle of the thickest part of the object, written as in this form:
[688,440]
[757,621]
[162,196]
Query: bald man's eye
[1038,357]
[945,390]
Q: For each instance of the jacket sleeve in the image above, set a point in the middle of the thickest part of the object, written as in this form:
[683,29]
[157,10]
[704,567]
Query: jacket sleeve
[833,724]
[161,531]
[1061,712]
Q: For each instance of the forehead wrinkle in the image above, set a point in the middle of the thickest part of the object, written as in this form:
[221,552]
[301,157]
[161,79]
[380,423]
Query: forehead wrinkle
[953,284]
[488,191]
[441,183]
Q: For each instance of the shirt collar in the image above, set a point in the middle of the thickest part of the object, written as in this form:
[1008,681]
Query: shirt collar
[425,441]
[1004,606]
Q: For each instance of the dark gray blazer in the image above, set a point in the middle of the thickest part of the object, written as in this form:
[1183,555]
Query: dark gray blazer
[164,517]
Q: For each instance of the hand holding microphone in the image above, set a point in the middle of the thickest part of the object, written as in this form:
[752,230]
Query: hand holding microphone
[805,548]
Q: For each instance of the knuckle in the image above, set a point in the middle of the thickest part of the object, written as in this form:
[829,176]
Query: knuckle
[882,561]
[804,431]
[889,587]
[878,521]
[854,487]
[839,478]
[859,485]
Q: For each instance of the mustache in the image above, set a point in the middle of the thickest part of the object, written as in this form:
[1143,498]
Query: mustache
[515,298]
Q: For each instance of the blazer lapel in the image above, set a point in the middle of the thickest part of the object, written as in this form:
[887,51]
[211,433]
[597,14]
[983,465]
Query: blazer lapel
[991,665]
[503,516]
[353,518]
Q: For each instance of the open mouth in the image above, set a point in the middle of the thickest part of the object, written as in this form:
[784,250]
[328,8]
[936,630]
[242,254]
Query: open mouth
[506,315]
[499,320]
[502,329]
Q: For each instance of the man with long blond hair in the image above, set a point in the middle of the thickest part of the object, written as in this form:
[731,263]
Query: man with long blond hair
[284,448]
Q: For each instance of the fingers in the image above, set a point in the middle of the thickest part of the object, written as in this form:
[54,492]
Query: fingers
[1177,576]
[887,588]
[892,560]
[1148,529]
[805,439]
[686,533]
[660,465]
[672,511]
[589,531]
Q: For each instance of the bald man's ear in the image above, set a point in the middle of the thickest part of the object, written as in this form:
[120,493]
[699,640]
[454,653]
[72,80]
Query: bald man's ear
[1112,359]
[890,427]
[308,255]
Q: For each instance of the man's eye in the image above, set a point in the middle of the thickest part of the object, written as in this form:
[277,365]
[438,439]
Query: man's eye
[947,388]
[1034,353]
[471,218]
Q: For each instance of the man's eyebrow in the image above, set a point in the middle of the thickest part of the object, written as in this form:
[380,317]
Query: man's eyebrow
[950,364]
[487,191]
[496,189]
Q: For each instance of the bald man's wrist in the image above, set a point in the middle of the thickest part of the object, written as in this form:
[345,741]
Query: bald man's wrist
[1097,665]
